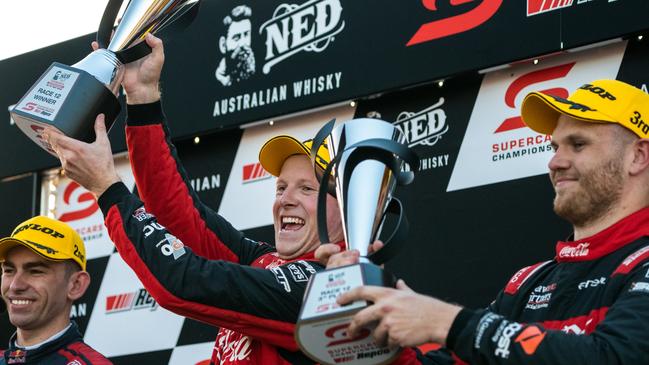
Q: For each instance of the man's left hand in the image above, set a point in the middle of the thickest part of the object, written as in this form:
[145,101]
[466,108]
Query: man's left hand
[89,164]
[404,317]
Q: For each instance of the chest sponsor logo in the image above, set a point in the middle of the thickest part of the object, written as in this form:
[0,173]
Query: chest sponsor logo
[281,278]
[639,287]
[297,273]
[454,24]
[17,357]
[497,145]
[139,299]
[293,29]
[254,172]
[591,283]
[503,338]
[581,250]
[540,297]
[233,347]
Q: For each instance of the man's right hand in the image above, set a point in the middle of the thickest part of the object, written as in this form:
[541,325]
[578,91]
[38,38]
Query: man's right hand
[141,77]
[329,254]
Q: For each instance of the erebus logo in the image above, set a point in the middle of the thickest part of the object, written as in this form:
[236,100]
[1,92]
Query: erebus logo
[293,28]
[129,301]
[425,127]
[535,7]
[254,172]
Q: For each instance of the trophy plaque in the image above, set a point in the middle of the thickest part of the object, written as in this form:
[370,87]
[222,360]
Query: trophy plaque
[69,98]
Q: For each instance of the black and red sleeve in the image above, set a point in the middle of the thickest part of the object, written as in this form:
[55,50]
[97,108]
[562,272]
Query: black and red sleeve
[485,337]
[164,188]
[260,303]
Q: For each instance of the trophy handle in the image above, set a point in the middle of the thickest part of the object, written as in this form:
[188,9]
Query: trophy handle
[382,150]
[106,28]
[393,243]
[141,49]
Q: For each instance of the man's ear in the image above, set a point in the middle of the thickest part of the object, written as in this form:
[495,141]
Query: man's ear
[640,161]
[78,284]
[222,45]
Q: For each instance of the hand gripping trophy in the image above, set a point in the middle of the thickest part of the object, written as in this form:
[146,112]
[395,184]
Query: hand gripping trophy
[69,98]
[367,162]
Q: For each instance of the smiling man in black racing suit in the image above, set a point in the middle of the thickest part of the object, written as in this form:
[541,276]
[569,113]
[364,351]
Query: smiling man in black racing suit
[590,304]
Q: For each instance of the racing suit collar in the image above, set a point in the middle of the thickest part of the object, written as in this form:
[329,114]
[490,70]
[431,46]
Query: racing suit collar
[20,355]
[624,231]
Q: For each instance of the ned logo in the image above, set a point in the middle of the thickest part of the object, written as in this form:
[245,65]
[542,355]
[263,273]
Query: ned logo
[425,127]
[294,28]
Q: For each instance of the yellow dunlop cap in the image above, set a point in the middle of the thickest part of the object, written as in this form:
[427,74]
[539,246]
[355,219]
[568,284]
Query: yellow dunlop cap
[601,101]
[50,238]
[277,149]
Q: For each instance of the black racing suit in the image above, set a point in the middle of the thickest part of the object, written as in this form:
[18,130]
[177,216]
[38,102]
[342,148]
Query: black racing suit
[194,263]
[590,305]
[68,349]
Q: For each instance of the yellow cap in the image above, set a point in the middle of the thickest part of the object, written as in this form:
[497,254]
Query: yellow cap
[49,238]
[601,101]
[277,149]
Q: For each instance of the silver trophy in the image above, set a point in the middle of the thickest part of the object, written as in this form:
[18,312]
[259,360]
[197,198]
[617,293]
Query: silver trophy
[367,163]
[69,98]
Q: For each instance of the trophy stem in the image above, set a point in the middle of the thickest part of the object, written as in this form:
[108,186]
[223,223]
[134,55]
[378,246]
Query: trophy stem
[105,67]
[364,260]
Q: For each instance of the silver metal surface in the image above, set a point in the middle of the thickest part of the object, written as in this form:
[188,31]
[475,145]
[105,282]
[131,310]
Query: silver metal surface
[105,67]
[146,16]
[371,184]
[139,18]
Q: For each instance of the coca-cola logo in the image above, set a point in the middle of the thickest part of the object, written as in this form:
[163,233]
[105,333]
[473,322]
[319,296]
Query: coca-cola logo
[233,346]
[580,250]
[455,24]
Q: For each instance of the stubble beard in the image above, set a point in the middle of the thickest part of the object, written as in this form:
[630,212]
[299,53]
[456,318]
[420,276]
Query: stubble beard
[599,190]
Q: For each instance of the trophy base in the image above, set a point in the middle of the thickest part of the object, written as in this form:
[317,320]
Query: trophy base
[321,329]
[67,99]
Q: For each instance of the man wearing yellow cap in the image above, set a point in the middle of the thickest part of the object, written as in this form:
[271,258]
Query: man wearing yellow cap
[191,260]
[43,273]
[588,305]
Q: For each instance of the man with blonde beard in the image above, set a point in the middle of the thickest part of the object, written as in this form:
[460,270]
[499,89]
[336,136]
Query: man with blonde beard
[590,304]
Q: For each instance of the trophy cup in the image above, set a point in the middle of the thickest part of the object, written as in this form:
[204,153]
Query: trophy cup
[69,98]
[368,157]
